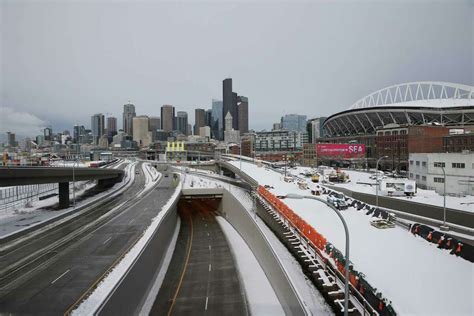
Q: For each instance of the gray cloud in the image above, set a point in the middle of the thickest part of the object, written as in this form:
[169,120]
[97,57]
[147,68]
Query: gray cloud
[22,123]
[64,61]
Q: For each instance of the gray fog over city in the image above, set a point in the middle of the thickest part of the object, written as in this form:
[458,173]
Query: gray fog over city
[63,60]
[249,157]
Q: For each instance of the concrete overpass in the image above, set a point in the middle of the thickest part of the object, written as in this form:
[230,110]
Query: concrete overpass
[13,176]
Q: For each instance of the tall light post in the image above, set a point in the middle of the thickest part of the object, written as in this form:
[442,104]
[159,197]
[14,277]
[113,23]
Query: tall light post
[377,181]
[240,156]
[74,184]
[346,230]
[444,226]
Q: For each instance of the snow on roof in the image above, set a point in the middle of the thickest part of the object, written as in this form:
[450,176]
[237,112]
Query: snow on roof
[415,275]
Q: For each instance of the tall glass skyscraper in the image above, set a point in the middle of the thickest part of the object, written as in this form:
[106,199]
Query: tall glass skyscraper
[217,126]
[128,115]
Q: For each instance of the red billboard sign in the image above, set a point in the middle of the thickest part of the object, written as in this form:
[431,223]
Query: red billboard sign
[341,150]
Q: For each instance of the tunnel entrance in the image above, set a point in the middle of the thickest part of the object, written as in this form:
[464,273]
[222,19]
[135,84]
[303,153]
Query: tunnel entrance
[202,277]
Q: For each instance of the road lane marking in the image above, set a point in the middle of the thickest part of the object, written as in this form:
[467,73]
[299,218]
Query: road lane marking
[208,234]
[190,242]
[207,299]
[107,240]
[209,247]
[209,267]
[59,277]
[131,221]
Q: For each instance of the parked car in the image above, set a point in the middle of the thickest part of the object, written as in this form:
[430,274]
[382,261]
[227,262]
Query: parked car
[338,200]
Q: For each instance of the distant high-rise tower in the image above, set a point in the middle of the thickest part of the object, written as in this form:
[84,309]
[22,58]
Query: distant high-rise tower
[111,127]
[182,122]
[199,120]
[154,124]
[11,140]
[128,115]
[48,133]
[97,125]
[229,101]
[168,118]
[228,122]
[217,126]
[243,111]
[141,133]
[294,122]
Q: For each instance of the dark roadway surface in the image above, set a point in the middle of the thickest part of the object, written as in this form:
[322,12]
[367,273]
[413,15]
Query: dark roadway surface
[202,276]
[50,285]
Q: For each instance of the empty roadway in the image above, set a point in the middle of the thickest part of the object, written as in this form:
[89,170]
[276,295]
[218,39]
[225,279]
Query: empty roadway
[55,283]
[202,278]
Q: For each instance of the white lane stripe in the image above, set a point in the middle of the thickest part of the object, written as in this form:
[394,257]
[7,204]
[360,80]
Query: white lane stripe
[59,277]
[207,234]
[209,267]
[107,240]
[131,221]
[207,299]
[209,247]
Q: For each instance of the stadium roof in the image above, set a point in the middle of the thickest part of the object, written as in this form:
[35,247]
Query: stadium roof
[423,93]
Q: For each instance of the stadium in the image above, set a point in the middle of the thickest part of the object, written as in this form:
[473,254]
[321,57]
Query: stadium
[415,117]
[414,103]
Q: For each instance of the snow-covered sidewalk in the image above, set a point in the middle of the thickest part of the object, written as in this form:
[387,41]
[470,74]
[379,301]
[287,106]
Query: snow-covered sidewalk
[417,276]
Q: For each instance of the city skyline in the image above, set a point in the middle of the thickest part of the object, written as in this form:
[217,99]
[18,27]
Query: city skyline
[324,74]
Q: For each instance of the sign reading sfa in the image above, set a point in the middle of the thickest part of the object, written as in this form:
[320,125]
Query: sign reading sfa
[341,150]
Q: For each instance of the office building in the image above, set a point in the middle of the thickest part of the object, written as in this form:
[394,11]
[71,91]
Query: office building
[154,124]
[168,118]
[205,131]
[427,170]
[11,140]
[98,126]
[111,128]
[315,129]
[294,122]
[200,120]
[48,134]
[78,131]
[243,113]
[182,122]
[128,115]
[141,131]
[217,121]
[276,127]
[229,102]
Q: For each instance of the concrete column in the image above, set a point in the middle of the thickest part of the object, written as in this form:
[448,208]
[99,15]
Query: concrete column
[63,195]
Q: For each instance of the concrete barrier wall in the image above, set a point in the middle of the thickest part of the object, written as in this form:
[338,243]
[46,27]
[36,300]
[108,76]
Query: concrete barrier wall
[430,211]
[130,294]
[241,220]
[236,170]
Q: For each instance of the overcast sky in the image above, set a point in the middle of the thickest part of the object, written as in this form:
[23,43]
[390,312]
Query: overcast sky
[62,62]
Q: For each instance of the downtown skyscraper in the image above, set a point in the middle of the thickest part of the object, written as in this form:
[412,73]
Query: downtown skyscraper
[168,118]
[97,126]
[128,115]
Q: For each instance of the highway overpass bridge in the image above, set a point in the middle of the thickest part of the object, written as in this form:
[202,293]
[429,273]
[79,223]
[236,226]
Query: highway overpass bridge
[13,176]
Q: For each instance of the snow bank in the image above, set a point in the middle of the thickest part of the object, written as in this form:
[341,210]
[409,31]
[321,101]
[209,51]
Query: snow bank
[417,276]
[261,298]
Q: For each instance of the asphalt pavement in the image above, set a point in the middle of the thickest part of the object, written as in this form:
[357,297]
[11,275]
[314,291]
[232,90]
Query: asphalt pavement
[202,278]
[71,259]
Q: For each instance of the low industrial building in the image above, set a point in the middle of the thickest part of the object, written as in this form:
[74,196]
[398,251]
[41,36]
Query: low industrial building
[426,170]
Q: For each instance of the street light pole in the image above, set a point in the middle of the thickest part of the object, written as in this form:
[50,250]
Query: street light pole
[377,181]
[73,184]
[346,230]
[444,226]
[240,157]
